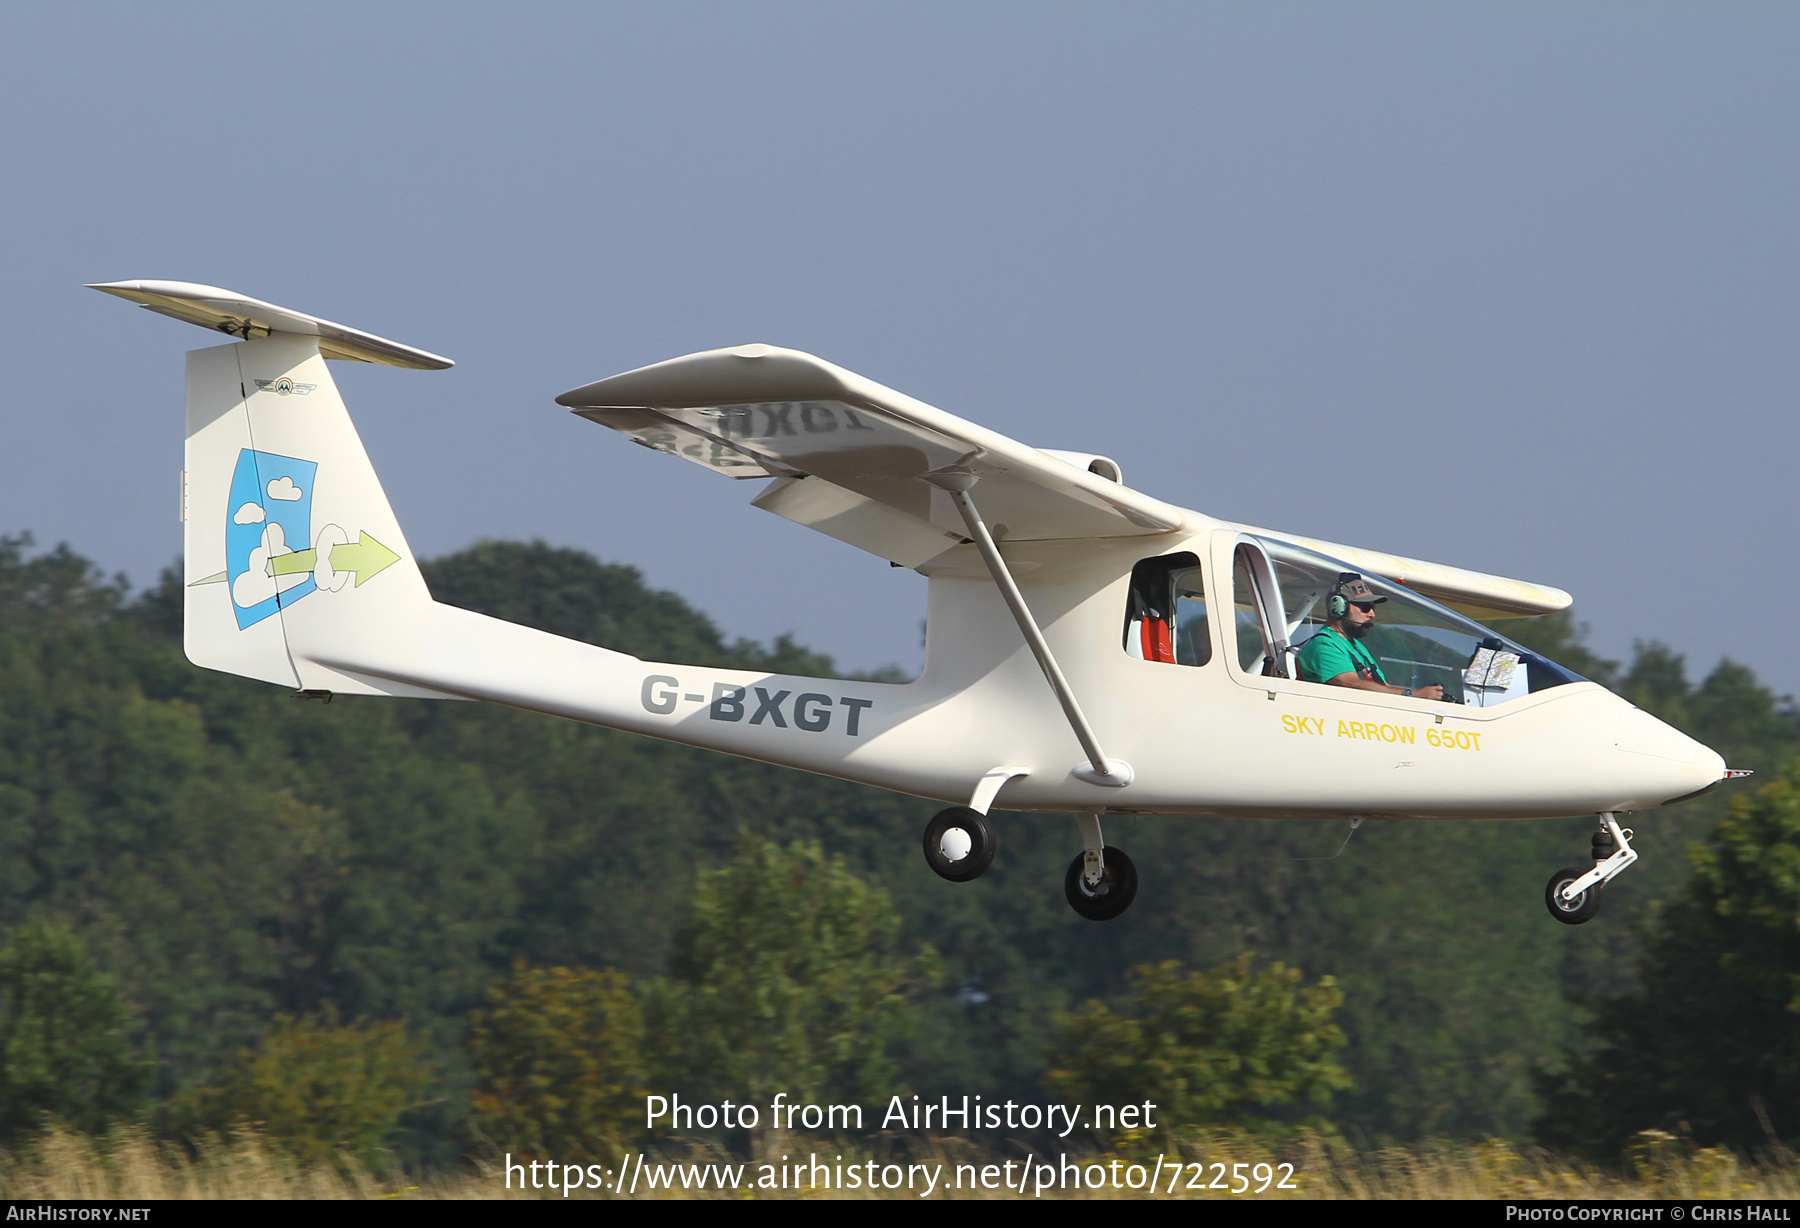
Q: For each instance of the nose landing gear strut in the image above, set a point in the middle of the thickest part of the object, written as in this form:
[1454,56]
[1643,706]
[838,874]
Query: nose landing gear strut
[1573,896]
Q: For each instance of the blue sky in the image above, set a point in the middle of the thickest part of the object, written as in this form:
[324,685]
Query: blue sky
[1511,287]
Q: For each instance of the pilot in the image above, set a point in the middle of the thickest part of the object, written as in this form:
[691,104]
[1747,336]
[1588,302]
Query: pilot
[1336,655]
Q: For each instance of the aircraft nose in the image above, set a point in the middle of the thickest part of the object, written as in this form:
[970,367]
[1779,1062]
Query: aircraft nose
[1709,769]
[1681,765]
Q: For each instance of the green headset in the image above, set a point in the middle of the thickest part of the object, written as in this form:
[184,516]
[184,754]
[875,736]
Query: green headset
[1338,606]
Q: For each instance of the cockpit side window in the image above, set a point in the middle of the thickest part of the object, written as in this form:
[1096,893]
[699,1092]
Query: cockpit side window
[1165,615]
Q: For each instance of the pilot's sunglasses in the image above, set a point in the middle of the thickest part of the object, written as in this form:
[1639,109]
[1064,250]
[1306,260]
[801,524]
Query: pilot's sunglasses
[1367,607]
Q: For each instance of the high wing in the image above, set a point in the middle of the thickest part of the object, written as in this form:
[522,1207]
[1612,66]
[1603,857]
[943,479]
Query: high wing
[850,453]
[847,454]
[1481,596]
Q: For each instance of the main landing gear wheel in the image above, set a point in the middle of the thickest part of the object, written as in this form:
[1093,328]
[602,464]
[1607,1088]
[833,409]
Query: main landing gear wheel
[960,844]
[1577,911]
[1108,898]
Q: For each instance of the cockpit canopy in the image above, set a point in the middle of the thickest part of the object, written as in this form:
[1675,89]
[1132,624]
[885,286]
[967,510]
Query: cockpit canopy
[1279,595]
[1417,642]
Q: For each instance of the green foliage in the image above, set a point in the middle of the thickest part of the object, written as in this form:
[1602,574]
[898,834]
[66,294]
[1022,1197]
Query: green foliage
[65,1053]
[57,587]
[229,853]
[1209,1048]
[558,1055]
[571,593]
[320,1089]
[786,980]
[1709,1046]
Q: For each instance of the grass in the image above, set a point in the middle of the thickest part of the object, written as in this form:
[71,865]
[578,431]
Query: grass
[131,1165]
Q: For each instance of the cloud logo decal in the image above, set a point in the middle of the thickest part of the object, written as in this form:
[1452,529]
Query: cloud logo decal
[268,516]
[255,585]
[268,562]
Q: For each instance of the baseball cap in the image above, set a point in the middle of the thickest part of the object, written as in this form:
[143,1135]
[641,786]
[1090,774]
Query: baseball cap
[1356,590]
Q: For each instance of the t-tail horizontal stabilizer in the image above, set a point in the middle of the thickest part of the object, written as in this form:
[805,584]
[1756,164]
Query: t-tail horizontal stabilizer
[247,318]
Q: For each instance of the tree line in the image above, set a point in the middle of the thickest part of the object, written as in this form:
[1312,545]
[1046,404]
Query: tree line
[250,871]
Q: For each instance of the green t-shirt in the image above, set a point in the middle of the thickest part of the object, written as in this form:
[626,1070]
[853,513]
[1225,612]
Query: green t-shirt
[1328,654]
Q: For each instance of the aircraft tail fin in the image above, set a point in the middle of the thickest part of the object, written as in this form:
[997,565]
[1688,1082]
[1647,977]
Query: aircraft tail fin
[291,547]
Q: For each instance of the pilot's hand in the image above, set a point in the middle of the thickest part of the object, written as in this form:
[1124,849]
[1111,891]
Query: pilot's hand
[1429,692]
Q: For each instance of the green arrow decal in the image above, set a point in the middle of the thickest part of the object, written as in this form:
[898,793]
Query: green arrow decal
[296,563]
[365,556]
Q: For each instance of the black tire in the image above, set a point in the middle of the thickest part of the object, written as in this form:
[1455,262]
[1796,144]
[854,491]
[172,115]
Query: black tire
[1578,911]
[983,844]
[1118,886]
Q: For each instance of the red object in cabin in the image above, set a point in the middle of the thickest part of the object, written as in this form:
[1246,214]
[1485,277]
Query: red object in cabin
[1154,636]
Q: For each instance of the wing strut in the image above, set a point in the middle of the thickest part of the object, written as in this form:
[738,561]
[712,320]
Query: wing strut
[1098,770]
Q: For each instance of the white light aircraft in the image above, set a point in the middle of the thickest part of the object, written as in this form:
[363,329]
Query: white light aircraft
[1089,649]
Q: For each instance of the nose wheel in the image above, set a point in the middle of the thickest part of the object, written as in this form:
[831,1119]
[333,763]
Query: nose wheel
[1576,910]
[1573,896]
